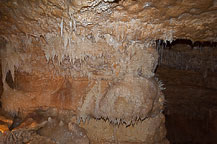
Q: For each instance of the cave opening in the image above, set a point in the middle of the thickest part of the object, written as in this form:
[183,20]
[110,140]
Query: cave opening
[189,72]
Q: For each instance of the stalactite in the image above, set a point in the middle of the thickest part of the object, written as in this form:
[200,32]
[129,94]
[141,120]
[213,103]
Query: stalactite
[10,60]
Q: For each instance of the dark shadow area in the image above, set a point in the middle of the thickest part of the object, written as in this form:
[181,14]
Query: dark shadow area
[1,85]
[116,1]
[10,81]
[190,75]
[186,42]
[2,46]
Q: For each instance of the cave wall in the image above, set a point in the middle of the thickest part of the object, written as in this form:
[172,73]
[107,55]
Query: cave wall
[1,85]
[96,58]
[189,73]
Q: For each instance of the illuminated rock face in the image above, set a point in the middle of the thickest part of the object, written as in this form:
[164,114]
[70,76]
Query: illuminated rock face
[122,98]
[96,58]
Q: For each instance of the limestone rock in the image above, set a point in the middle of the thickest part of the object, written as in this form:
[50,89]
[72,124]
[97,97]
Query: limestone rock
[64,133]
[95,58]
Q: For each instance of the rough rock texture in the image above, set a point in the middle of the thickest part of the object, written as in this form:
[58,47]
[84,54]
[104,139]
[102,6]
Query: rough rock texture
[146,18]
[78,48]
[1,85]
[96,58]
[149,131]
[61,132]
[5,122]
[34,131]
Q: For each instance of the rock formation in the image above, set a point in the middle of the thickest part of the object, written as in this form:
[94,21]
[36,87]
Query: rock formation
[95,58]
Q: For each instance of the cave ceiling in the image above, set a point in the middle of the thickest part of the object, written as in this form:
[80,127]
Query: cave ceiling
[136,19]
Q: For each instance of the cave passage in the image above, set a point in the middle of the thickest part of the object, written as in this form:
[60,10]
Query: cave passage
[189,74]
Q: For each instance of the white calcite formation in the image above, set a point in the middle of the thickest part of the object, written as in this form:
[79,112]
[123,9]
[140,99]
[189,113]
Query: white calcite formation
[94,57]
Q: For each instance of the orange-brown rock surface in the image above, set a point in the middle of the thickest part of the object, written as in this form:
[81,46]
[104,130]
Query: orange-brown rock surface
[96,58]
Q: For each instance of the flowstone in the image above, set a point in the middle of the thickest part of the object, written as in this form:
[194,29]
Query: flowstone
[95,58]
